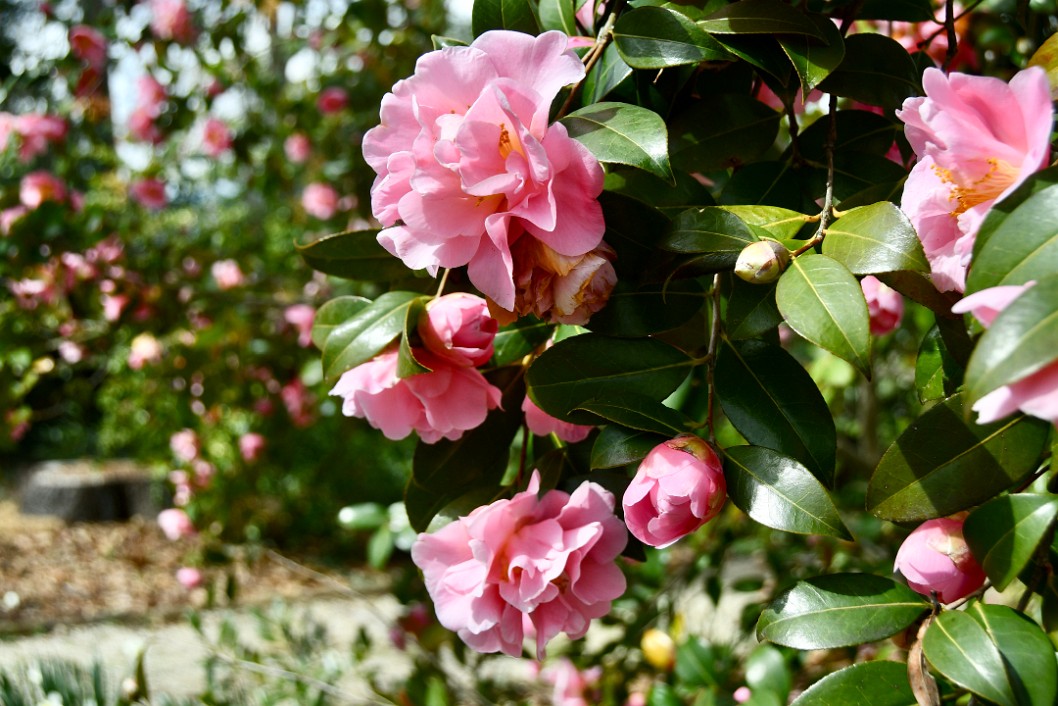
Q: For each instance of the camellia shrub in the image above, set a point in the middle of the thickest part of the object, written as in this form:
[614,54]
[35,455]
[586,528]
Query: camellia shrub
[686,234]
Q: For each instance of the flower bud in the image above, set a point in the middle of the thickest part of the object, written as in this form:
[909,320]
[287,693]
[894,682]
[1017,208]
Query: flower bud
[678,488]
[885,306]
[658,649]
[762,262]
[935,557]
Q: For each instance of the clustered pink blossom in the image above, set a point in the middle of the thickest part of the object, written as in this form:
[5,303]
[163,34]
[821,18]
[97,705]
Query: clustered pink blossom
[541,423]
[35,132]
[150,193]
[571,686]
[216,137]
[935,557]
[298,148]
[89,45]
[150,103]
[175,524]
[332,100]
[171,20]
[885,306]
[533,563]
[457,335]
[1035,394]
[468,166]
[977,138]
[320,200]
[184,444]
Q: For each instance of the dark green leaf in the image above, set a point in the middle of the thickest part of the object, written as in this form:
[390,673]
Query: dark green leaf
[364,336]
[659,37]
[617,446]
[352,255]
[760,17]
[558,14]
[774,402]
[661,694]
[636,312]
[633,230]
[881,683]
[770,184]
[648,189]
[814,59]
[873,239]
[1005,533]
[407,363]
[751,310]
[876,71]
[839,610]
[821,300]
[859,131]
[766,671]
[519,339]
[919,288]
[623,134]
[944,463]
[763,52]
[711,230]
[638,412]
[780,223]
[517,15]
[900,10]
[440,41]
[607,74]
[722,131]
[696,663]
[937,375]
[332,314]
[780,493]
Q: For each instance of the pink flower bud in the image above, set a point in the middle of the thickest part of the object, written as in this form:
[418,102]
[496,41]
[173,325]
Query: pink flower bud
[678,488]
[762,262]
[320,200]
[297,148]
[190,577]
[332,100]
[935,557]
[458,328]
[251,446]
[885,305]
[175,524]
[89,45]
[150,193]
[38,187]
[541,423]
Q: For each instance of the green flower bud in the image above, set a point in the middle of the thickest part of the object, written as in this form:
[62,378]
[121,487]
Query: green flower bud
[762,262]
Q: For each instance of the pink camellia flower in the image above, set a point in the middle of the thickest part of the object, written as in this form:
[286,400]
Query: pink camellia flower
[175,524]
[227,274]
[251,446]
[301,317]
[678,488]
[441,404]
[320,200]
[171,20]
[216,137]
[571,686]
[467,163]
[332,100]
[37,132]
[541,423]
[547,561]
[1035,394]
[459,329]
[298,148]
[190,577]
[144,350]
[884,305]
[38,187]
[556,288]
[89,45]
[977,138]
[150,193]
[935,557]
[184,444]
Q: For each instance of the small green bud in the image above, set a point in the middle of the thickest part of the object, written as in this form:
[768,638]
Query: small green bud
[762,262]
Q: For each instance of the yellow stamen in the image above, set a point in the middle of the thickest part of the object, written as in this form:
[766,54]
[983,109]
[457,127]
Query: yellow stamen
[506,146]
[991,185]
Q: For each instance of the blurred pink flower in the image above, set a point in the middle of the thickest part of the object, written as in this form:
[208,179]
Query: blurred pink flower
[227,274]
[37,132]
[678,487]
[459,329]
[300,403]
[742,694]
[150,193]
[171,20]
[884,305]
[89,45]
[320,200]
[175,524]
[216,137]
[571,686]
[182,490]
[190,577]
[251,446]
[113,305]
[301,317]
[547,561]
[977,139]
[541,423]
[71,352]
[332,100]
[184,444]
[935,557]
[142,127]
[1035,394]
[150,94]
[298,148]
[145,349]
[10,216]
[38,187]
[467,163]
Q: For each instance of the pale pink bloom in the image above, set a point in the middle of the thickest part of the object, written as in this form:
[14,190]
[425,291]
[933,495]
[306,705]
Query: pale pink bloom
[571,687]
[38,187]
[182,490]
[105,252]
[144,350]
[935,557]
[742,695]
[142,127]
[301,317]
[175,524]
[541,423]
[190,577]
[1035,394]
[216,137]
[31,292]
[76,268]
[332,100]
[678,487]
[548,561]
[298,148]
[459,329]
[300,403]
[467,163]
[320,200]
[251,446]
[10,216]
[884,305]
[441,404]
[113,305]
[636,698]
[184,444]
[587,13]
[150,193]
[977,139]
[89,45]
[37,132]
[170,19]
[227,274]
[204,472]
[151,95]
[71,352]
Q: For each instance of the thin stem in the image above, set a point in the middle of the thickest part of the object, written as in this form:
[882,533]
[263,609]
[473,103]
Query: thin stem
[590,59]
[953,38]
[943,25]
[441,284]
[714,338]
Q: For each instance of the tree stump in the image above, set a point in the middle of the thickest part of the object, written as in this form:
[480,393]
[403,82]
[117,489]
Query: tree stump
[83,490]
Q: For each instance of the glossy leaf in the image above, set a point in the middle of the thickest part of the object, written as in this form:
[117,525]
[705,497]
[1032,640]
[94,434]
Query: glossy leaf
[858,131]
[636,312]
[333,314]
[607,74]
[517,15]
[1005,533]
[637,412]
[821,300]
[514,342]
[1022,340]
[696,663]
[751,310]
[944,463]
[407,362]
[659,37]
[760,17]
[774,402]
[917,287]
[722,131]
[587,367]
[352,255]
[633,230]
[814,59]
[880,683]
[648,189]
[780,223]
[364,336]
[718,235]
[873,239]
[778,492]
[558,14]
[617,446]
[839,610]
[623,134]
[876,71]
[937,375]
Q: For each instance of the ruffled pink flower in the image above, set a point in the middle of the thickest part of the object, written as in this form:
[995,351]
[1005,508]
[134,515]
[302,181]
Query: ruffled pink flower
[38,187]
[459,329]
[171,20]
[332,100]
[977,139]
[298,148]
[144,350]
[541,423]
[189,577]
[467,163]
[884,305]
[251,446]
[556,288]
[184,444]
[678,487]
[301,317]
[1035,394]
[216,137]
[320,200]
[546,561]
[442,404]
[37,132]
[935,557]
[571,686]
[150,193]
[89,45]
[175,524]
[227,274]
